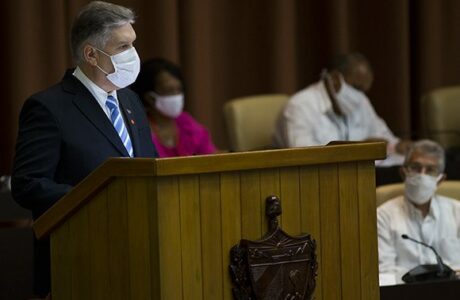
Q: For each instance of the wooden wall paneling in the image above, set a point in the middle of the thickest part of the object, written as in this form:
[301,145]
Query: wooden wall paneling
[169,238]
[269,185]
[61,281]
[330,233]
[138,237]
[290,200]
[99,246]
[349,231]
[231,223]
[192,274]
[121,167]
[311,214]
[368,234]
[119,268]
[160,220]
[211,231]
[80,254]
[310,201]
[154,236]
[251,218]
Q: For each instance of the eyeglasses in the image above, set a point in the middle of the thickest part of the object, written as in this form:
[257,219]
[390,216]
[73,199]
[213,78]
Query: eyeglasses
[432,170]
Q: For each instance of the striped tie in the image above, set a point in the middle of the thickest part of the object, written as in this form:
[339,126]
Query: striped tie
[118,123]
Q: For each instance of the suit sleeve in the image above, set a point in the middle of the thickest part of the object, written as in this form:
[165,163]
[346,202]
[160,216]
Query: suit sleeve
[37,156]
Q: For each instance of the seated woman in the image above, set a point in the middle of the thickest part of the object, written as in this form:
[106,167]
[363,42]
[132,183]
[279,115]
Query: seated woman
[174,132]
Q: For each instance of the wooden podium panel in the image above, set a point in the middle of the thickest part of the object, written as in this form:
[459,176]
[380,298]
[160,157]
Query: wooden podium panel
[163,228]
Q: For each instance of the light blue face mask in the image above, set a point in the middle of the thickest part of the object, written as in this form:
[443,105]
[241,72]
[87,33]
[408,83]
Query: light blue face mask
[127,66]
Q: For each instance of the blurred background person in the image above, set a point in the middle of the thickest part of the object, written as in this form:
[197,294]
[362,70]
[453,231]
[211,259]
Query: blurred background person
[337,108]
[160,86]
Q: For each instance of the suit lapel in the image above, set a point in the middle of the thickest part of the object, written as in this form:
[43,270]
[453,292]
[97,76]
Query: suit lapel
[89,107]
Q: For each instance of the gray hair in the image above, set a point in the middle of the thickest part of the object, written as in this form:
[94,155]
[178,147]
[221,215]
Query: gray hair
[430,148]
[95,23]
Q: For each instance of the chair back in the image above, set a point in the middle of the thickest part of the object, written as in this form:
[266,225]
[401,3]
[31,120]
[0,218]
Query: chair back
[448,188]
[251,121]
[439,116]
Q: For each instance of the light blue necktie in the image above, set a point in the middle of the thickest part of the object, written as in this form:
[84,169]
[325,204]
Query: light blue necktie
[118,123]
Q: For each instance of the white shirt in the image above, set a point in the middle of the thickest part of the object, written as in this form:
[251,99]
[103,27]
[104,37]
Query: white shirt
[309,120]
[440,229]
[99,94]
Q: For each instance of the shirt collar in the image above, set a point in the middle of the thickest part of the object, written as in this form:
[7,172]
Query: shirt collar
[95,90]
[433,213]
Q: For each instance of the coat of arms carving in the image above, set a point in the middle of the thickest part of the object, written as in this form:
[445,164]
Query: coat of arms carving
[278,266]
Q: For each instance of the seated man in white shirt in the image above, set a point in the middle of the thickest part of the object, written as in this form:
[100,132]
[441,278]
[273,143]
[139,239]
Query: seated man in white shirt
[336,108]
[420,214]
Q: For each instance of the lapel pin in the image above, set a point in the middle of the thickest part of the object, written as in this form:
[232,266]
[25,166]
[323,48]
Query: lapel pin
[129,111]
[132,122]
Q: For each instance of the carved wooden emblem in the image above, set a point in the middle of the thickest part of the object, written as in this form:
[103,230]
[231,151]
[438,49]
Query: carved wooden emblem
[276,267]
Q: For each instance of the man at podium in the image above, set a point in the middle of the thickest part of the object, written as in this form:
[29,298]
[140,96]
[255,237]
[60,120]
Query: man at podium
[410,227]
[68,130]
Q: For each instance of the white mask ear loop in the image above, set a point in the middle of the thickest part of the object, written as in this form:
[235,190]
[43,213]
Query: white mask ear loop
[97,64]
[102,70]
[103,52]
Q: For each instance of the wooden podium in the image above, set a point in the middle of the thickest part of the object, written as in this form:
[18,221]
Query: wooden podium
[163,228]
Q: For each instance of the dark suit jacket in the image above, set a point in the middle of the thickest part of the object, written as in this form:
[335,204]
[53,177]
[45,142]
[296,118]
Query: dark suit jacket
[64,135]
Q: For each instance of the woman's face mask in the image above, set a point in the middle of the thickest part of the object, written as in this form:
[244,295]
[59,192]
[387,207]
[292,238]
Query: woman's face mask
[170,106]
[127,66]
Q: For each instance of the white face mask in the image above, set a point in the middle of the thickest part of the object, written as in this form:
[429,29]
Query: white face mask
[127,66]
[419,188]
[348,97]
[170,106]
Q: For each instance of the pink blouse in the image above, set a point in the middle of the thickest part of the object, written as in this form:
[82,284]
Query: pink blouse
[193,139]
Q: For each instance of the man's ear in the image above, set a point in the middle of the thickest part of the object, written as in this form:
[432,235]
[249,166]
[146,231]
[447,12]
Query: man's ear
[90,55]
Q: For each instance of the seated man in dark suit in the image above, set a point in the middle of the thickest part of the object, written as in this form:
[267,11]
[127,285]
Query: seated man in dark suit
[68,130]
